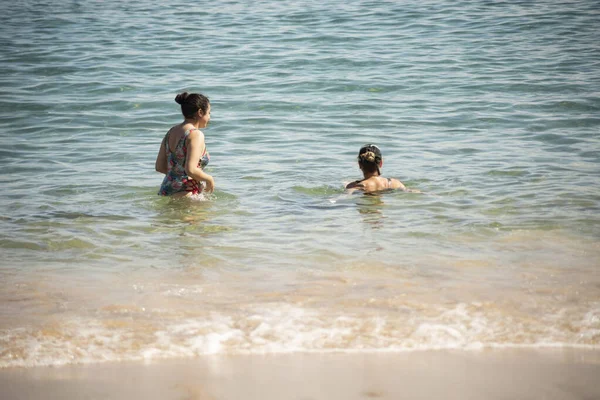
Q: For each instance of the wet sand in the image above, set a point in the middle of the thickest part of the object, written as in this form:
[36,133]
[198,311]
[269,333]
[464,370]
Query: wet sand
[486,374]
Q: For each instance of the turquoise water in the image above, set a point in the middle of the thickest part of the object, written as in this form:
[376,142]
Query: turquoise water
[491,109]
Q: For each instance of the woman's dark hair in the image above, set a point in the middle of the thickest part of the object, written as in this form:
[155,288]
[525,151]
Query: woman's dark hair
[369,158]
[191,103]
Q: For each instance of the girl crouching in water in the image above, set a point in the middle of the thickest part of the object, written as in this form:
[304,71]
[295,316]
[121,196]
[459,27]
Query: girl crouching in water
[183,155]
[370,162]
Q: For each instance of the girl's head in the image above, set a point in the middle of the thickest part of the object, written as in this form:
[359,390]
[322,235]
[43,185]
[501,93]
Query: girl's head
[193,105]
[370,159]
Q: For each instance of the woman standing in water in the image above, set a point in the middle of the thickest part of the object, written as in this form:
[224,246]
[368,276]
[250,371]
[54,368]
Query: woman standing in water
[183,155]
[370,162]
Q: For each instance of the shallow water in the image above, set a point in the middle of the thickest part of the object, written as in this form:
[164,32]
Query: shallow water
[490,109]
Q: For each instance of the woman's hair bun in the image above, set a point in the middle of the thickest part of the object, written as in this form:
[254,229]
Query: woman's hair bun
[191,103]
[368,156]
[369,153]
[181,97]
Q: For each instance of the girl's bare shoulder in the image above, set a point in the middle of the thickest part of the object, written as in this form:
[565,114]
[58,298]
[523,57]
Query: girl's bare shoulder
[355,185]
[396,184]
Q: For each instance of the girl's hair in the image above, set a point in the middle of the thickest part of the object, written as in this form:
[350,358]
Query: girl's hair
[191,103]
[369,158]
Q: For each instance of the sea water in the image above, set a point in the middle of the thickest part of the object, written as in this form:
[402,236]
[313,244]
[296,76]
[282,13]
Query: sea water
[491,109]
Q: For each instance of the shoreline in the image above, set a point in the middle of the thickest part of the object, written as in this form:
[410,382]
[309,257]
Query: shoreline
[449,374]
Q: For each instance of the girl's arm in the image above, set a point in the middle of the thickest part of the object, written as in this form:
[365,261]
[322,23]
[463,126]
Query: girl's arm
[396,184]
[195,149]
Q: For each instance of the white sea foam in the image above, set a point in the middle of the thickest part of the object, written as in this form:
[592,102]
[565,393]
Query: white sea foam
[278,329]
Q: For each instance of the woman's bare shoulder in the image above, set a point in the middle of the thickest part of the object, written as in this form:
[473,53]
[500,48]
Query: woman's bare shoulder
[355,185]
[196,135]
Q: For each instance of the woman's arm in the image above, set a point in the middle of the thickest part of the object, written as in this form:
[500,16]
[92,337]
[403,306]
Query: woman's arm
[195,149]
[396,184]
[161,158]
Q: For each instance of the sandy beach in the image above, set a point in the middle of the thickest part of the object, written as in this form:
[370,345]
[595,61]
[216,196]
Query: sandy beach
[487,374]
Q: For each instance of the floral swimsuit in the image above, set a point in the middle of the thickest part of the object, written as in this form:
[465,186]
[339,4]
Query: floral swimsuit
[176,179]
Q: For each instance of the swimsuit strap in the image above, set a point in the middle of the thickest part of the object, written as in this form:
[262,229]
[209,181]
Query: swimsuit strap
[166,139]
[190,130]
[186,134]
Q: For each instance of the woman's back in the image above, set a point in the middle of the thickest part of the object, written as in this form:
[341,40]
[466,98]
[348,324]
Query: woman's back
[176,147]
[376,184]
[176,150]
